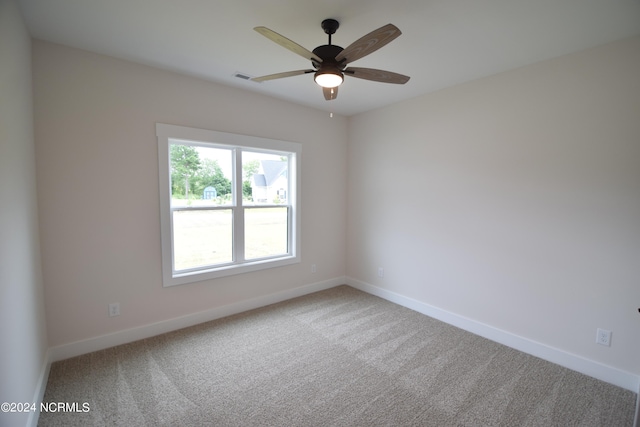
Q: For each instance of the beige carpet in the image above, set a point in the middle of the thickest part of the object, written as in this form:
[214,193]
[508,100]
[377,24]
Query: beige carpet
[339,357]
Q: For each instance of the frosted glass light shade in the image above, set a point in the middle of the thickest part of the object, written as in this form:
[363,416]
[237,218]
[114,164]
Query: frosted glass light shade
[328,78]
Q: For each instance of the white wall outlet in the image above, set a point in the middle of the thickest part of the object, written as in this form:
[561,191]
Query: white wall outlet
[380,272]
[603,337]
[114,309]
[313,268]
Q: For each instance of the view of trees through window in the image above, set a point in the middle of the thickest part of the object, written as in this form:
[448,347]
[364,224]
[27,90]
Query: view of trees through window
[191,174]
[203,173]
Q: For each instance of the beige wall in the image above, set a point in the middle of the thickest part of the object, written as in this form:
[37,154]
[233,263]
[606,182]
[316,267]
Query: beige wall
[98,189]
[513,200]
[23,341]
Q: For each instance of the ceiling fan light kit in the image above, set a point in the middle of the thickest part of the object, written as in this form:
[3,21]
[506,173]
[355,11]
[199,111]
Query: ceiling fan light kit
[328,78]
[330,62]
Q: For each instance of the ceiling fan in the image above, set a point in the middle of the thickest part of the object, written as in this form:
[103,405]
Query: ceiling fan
[330,62]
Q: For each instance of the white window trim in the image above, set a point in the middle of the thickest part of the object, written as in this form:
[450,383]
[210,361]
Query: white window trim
[165,132]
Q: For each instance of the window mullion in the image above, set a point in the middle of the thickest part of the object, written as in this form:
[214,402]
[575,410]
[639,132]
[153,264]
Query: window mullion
[238,210]
[292,229]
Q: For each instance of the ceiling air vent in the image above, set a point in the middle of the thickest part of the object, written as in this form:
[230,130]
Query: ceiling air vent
[242,76]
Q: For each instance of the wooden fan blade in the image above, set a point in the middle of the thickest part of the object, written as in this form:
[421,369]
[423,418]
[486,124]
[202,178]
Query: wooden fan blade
[281,75]
[330,93]
[288,44]
[376,75]
[369,43]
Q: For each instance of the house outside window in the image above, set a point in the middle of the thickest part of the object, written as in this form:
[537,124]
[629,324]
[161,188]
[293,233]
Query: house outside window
[268,185]
[229,203]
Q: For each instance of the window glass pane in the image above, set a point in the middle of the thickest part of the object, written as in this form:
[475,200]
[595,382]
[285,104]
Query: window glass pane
[265,178]
[266,232]
[202,238]
[200,176]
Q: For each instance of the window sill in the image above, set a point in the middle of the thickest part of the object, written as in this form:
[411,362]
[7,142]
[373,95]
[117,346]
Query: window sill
[229,270]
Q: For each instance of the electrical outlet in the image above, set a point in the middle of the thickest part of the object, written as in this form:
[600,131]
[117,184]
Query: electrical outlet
[380,272]
[313,268]
[603,337]
[114,309]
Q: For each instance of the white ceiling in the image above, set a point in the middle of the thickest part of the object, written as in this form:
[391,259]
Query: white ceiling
[444,42]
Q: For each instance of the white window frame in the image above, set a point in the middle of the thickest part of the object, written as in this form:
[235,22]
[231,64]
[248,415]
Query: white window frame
[215,139]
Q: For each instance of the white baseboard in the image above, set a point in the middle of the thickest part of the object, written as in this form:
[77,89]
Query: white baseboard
[89,345]
[32,421]
[574,362]
[636,419]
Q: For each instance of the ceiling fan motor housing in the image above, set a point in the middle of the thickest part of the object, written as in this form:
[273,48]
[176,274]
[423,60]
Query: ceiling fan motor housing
[328,53]
[329,65]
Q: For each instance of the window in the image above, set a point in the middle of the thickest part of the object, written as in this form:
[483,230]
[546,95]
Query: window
[229,203]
